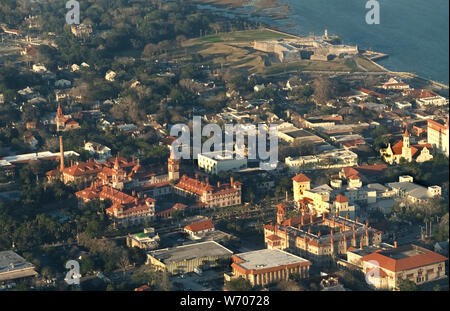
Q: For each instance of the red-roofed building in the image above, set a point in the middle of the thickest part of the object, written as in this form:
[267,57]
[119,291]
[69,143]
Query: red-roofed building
[125,210]
[403,150]
[65,123]
[222,195]
[386,268]
[426,97]
[370,93]
[196,229]
[394,84]
[300,183]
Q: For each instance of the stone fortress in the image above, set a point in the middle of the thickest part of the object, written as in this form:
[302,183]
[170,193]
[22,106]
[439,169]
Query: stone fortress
[322,48]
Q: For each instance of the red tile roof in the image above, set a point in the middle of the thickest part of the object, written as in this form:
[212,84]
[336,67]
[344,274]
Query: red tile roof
[341,199]
[423,258]
[200,226]
[83,168]
[273,237]
[301,178]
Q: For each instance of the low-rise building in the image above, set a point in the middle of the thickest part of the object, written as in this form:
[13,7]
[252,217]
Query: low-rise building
[187,258]
[413,193]
[386,268]
[99,150]
[216,162]
[197,229]
[425,97]
[335,158]
[145,240]
[14,268]
[266,266]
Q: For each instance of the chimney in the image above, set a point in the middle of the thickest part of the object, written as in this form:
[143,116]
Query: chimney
[395,244]
[218,184]
[231,181]
[61,150]
[356,220]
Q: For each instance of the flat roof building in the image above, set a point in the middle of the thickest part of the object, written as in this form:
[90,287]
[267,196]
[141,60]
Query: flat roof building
[186,258]
[14,267]
[220,161]
[267,266]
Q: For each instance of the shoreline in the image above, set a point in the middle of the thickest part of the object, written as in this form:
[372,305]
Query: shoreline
[236,4]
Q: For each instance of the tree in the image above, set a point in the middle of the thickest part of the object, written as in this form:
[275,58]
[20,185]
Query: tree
[323,90]
[407,285]
[238,284]
[289,286]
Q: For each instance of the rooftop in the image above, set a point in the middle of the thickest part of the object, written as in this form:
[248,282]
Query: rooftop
[14,266]
[267,258]
[191,251]
[405,257]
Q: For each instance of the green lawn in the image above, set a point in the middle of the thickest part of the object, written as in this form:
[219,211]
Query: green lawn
[246,35]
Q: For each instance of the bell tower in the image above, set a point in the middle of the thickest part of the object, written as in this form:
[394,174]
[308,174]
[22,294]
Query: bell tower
[406,149]
[173,167]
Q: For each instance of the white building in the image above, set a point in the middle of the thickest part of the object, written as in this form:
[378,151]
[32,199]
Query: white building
[403,105]
[259,87]
[110,76]
[412,192]
[39,68]
[438,136]
[103,152]
[216,162]
[328,159]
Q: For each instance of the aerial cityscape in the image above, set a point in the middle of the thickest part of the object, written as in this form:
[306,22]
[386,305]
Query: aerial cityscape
[221,146]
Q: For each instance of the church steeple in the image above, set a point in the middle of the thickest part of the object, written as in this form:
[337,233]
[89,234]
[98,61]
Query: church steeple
[59,118]
[406,139]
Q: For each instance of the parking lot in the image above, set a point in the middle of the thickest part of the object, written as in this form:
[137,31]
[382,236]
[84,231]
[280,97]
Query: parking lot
[210,280]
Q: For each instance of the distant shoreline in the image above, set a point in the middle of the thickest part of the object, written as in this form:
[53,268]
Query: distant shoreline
[263,7]
[265,4]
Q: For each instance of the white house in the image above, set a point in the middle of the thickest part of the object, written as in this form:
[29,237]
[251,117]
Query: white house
[103,152]
[39,68]
[259,87]
[110,76]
